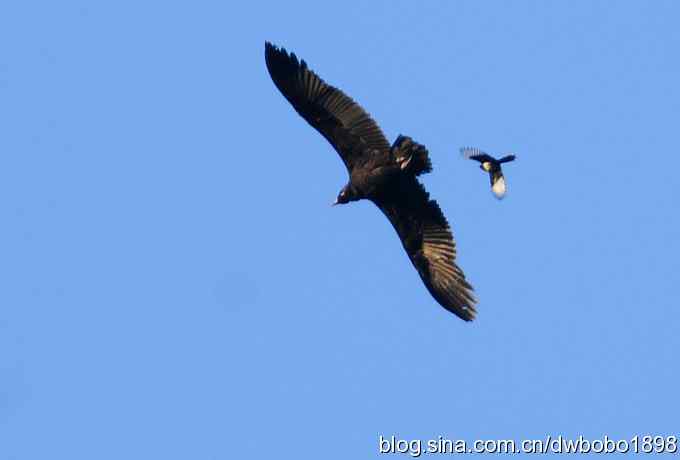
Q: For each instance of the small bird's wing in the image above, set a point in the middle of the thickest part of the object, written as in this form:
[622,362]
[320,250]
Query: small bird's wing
[349,129]
[476,154]
[427,239]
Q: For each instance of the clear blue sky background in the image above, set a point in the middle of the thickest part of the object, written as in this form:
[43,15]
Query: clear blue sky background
[175,284]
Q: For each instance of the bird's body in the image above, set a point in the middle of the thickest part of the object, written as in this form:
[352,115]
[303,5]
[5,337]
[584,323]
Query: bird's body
[383,174]
[492,166]
[378,173]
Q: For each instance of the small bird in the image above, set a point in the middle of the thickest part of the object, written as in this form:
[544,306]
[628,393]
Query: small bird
[490,165]
[382,174]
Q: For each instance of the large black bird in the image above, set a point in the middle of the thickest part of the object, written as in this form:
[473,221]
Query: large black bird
[380,173]
[490,165]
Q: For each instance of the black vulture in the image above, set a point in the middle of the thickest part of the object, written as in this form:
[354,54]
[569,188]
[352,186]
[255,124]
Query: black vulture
[490,165]
[382,174]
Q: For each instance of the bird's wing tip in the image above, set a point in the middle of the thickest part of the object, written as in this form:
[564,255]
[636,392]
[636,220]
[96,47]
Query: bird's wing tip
[464,151]
[472,153]
[467,313]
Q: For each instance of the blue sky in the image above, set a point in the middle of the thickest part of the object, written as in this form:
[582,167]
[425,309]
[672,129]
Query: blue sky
[176,285]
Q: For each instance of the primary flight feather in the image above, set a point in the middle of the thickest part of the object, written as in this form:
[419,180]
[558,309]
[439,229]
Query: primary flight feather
[382,174]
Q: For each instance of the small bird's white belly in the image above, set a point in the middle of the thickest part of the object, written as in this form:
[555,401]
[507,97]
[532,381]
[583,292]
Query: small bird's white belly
[498,188]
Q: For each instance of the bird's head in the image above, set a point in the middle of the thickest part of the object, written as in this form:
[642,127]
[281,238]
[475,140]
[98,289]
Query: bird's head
[346,195]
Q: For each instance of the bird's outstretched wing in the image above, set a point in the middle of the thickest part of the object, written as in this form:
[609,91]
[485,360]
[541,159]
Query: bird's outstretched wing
[476,154]
[349,129]
[507,159]
[428,241]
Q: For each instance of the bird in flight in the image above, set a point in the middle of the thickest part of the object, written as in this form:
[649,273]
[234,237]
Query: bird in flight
[490,165]
[383,174]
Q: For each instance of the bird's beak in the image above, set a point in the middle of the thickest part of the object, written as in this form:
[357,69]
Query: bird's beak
[335,202]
